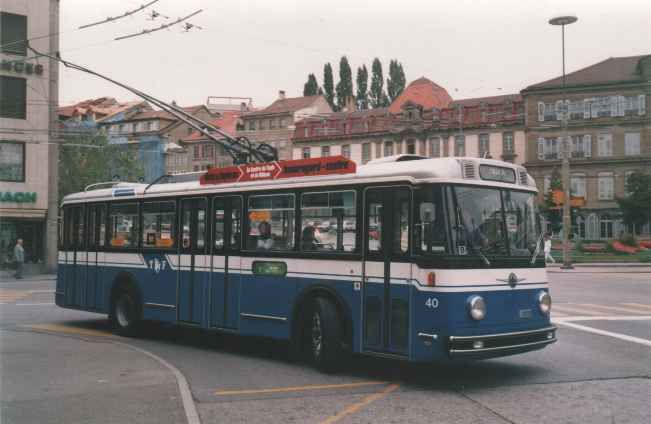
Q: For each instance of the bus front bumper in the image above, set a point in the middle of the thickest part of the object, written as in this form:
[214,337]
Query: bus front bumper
[502,344]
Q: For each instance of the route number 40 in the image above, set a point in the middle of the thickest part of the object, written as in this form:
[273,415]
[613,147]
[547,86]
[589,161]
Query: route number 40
[432,303]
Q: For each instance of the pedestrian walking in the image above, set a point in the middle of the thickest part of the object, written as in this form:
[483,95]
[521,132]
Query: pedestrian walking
[19,257]
[548,249]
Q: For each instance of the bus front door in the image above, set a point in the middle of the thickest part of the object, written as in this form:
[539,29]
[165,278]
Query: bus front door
[76,258]
[193,263]
[225,262]
[387,271]
[95,240]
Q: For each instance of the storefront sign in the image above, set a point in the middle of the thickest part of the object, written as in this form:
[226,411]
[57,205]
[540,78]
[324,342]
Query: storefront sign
[276,170]
[17,197]
[22,67]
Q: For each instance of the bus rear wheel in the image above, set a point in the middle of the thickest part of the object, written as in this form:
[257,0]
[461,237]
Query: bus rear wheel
[325,335]
[125,314]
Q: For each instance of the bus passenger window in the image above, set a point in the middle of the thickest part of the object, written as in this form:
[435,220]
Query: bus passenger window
[328,221]
[219,223]
[236,224]
[158,225]
[201,228]
[374,227]
[185,223]
[271,222]
[123,228]
[401,225]
[429,224]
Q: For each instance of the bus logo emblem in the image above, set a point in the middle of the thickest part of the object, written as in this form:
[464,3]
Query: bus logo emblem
[513,279]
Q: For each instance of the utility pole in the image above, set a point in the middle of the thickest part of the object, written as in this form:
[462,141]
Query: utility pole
[566,149]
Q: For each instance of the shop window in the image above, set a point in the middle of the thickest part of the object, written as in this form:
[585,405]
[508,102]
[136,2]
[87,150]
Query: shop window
[13,102]
[12,161]
[411,147]
[158,229]
[388,148]
[123,225]
[328,222]
[271,222]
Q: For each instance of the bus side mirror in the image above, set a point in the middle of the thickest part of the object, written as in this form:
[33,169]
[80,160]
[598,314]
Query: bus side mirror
[427,212]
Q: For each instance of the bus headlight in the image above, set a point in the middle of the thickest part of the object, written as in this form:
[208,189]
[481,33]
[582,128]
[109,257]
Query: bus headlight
[544,302]
[477,307]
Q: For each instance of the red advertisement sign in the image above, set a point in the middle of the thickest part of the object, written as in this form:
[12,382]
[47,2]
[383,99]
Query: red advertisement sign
[332,165]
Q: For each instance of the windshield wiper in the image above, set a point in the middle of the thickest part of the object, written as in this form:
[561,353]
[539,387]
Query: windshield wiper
[481,254]
[537,249]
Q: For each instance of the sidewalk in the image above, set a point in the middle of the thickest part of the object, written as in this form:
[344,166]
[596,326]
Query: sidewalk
[8,277]
[603,267]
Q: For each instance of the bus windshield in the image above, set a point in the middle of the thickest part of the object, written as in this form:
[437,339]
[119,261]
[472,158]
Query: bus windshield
[490,221]
[479,221]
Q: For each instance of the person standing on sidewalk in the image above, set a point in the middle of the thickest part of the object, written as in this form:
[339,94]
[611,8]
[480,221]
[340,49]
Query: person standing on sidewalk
[19,257]
[548,249]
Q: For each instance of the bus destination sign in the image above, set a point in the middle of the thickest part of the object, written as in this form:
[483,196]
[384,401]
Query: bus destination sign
[332,165]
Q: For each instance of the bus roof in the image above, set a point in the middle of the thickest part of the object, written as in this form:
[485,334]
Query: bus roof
[405,168]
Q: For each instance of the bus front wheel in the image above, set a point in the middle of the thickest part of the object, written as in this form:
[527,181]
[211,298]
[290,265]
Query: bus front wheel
[125,316]
[325,335]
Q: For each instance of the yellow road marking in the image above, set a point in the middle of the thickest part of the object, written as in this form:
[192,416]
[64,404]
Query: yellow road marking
[615,308]
[638,305]
[59,328]
[298,388]
[359,405]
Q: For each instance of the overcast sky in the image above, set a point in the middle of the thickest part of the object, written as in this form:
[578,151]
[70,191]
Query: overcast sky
[253,48]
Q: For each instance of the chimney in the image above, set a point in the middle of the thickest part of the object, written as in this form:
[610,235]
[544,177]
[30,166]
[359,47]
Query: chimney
[281,94]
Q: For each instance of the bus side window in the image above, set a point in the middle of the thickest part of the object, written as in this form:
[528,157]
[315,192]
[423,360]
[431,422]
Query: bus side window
[328,221]
[219,208]
[271,222]
[123,230]
[429,222]
[158,224]
[101,222]
[374,234]
[401,223]
[236,223]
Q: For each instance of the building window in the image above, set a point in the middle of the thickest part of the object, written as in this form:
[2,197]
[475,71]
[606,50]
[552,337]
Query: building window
[366,152]
[547,111]
[606,227]
[435,147]
[577,185]
[507,143]
[196,152]
[272,124]
[548,148]
[606,182]
[13,101]
[388,148]
[605,145]
[306,132]
[12,161]
[263,124]
[251,125]
[208,151]
[633,105]
[325,151]
[581,146]
[632,144]
[460,145]
[283,123]
[345,151]
[306,153]
[577,109]
[411,147]
[547,184]
[13,33]
[627,175]
[484,146]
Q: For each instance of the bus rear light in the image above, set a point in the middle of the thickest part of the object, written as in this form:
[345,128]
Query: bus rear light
[431,279]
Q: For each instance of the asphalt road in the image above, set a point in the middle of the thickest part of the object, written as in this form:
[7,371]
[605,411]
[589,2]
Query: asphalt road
[65,366]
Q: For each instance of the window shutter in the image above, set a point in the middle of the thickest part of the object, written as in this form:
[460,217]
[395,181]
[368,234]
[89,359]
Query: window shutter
[559,108]
[541,148]
[586,109]
[587,145]
[641,104]
[541,111]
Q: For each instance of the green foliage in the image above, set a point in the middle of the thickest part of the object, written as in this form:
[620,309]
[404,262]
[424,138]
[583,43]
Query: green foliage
[628,239]
[311,87]
[80,166]
[578,246]
[396,81]
[329,86]
[377,96]
[362,88]
[345,85]
[554,216]
[636,207]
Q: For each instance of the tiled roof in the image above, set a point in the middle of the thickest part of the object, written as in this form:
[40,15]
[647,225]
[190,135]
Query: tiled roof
[227,123]
[290,104]
[614,69]
[487,100]
[102,107]
[424,93]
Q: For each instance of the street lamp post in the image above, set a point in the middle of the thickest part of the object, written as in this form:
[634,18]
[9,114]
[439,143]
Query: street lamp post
[565,167]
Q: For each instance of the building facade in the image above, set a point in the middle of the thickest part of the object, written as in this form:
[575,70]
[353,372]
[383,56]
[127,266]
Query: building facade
[609,130]
[423,120]
[275,124]
[28,145]
[202,152]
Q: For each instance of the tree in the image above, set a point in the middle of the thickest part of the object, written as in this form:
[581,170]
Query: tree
[549,209]
[396,81]
[89,159]
[362,88]
[311,87]
[636,206]
[345,84]
[377,96]
[328,85]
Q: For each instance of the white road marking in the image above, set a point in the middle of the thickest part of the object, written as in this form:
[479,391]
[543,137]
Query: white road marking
[564,308]
[630,310]
[34,304]
[604,318]
[638,305]
[619,336]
